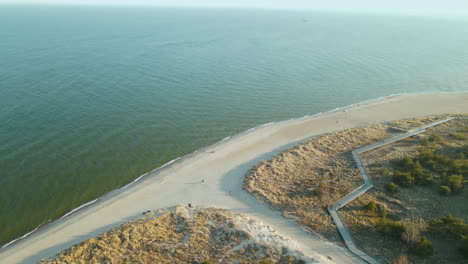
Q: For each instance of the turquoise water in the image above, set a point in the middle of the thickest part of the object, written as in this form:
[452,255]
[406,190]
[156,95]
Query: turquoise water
[93,97]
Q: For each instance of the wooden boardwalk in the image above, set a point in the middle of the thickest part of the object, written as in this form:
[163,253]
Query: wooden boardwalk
[333,209]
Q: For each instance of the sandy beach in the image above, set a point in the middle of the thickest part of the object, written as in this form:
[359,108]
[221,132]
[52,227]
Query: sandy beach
[222,167]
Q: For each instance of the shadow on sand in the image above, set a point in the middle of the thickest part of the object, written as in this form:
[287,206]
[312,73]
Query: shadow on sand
[231,183]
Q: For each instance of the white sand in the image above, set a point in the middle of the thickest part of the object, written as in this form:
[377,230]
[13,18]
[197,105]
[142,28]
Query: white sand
[222,166]
[264,234]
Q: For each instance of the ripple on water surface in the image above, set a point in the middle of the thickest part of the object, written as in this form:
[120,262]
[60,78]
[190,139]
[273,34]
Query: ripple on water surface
[91,100]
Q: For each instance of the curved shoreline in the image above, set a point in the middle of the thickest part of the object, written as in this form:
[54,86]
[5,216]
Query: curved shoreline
[8,243]
[157,173]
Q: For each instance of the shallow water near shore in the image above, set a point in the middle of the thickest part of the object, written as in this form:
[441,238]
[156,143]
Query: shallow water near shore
[93,97]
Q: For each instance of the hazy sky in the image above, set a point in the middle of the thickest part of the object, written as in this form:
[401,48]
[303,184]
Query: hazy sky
[400,6]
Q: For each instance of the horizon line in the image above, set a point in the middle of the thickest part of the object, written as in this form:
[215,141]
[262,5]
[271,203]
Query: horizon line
[231,6]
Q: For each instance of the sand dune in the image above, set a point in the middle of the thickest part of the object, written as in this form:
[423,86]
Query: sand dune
[222,167]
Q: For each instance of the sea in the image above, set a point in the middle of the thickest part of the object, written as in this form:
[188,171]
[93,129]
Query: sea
[92,97]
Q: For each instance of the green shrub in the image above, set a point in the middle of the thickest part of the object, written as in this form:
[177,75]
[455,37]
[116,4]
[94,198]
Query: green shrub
[455,182]
[391,228]
[427,179]
[403,178]
[423,248]
[454,227]
[391,187]
[419,176]
[265,261]
[385,172]
[371,206]
[425,142]
[445,190]
[407,163]
[382,212]
[417,170]
[438,162]
[423,179]
[435,137]
[449,225]
[458,136]
[431,165]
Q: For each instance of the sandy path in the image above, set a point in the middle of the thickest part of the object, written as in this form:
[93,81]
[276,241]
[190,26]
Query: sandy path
[222,167]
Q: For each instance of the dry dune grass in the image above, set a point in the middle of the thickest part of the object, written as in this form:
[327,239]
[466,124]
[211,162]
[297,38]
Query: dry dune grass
[201,236]
[301,181]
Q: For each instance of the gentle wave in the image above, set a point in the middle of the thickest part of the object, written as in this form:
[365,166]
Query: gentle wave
[35,229]
[169,163]
[78,208]
[156,169]
[25,235]
[226,138]
[137,179]
[267,124]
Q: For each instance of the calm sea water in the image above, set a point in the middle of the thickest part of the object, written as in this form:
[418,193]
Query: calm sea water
[93,97]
